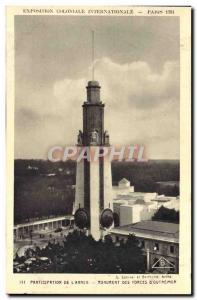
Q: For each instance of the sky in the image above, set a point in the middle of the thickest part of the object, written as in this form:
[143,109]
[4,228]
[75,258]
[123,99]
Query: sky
[137,63]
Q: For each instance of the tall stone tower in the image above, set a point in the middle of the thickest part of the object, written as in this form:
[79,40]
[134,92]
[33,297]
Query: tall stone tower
[93,196]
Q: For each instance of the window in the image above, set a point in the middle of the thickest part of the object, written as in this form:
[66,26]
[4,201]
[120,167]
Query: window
[156,247]
[171,249]
[142,244]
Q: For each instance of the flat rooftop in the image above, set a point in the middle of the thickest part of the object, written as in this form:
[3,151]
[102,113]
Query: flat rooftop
[151,229]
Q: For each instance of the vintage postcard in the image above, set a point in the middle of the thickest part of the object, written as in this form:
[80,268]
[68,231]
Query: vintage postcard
[99,150]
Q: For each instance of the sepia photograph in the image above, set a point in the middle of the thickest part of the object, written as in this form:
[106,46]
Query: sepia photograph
[97,144]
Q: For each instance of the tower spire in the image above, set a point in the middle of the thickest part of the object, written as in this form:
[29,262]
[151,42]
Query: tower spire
[93,55]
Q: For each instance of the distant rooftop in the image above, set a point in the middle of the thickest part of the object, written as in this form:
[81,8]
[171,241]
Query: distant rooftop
[124,197]
[140,201]
[124,180]
[165,198]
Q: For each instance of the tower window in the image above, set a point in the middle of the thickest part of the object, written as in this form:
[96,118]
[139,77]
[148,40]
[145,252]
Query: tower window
[156,247]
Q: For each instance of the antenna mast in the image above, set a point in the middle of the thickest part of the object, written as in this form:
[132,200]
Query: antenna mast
[93,55]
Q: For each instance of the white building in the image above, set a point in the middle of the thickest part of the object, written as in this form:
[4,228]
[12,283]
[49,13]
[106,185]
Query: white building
[167,201]
[123,188]
[132,207]
[130,214]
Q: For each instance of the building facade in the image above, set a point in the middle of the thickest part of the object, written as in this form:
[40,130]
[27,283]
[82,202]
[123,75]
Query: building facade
[159,241]
[39,226]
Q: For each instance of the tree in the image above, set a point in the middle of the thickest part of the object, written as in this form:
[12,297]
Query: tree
[167,215]
[82,254]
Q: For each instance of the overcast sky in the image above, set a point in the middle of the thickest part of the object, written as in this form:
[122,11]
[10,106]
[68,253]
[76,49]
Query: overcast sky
[137,65]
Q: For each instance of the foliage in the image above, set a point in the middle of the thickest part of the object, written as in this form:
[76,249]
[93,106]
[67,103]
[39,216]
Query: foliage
[166,214]
[38,195]
[148,176]
[82,254]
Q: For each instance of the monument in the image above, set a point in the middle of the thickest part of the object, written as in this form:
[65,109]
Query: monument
[93,196]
